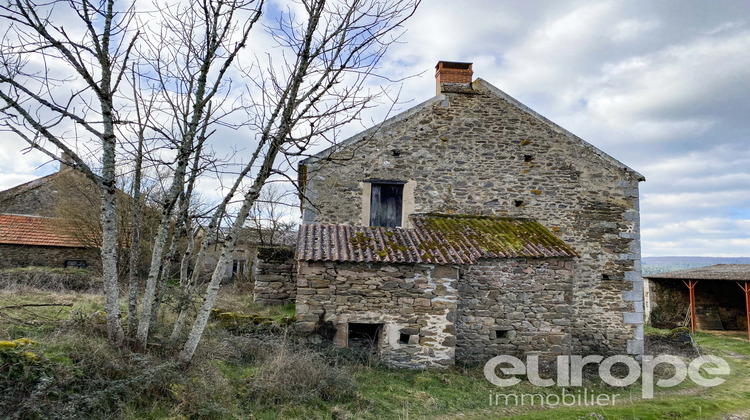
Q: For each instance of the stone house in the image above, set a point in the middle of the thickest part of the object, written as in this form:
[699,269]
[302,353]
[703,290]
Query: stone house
[43,241]
[470,226]
[35,228]
[268,269]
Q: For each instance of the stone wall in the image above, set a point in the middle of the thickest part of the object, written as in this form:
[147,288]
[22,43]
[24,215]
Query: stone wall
[242,252]
[415,303]
[47,256]
[513,307]
[44,196]
[274,275]
[485,153]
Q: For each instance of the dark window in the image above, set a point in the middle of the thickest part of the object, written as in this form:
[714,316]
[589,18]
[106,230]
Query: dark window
[238,268]
[403,338]
[76,263]
[364,336]
[501,333]
[385,204]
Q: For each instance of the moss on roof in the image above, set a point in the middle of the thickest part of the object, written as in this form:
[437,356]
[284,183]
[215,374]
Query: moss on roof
[435,238]
[489,235]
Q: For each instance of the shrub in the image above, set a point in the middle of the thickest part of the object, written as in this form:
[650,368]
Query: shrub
[300,375]
[204,393]
[48,278]
[83,378]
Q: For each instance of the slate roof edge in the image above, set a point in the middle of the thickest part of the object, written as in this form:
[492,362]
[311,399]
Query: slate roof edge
[690,273]
[362,135]
[27,186]
[603,155]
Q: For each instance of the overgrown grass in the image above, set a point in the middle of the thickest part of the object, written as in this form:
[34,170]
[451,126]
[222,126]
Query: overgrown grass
[249,371]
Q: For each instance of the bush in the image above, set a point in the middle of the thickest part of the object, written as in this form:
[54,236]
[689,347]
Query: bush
[204,393]
[48,278]
[83,377]
[300,375]
[21,372]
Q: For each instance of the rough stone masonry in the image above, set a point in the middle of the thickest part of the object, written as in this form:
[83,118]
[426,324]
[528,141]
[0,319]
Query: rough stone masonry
[474,150]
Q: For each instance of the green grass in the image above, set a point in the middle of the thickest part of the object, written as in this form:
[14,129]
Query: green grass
[90,375]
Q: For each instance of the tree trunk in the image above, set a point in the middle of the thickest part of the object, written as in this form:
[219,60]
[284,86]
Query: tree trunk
[109,228]
[166,270]
[186,288]
[157,261]
[186,355]
[135,243]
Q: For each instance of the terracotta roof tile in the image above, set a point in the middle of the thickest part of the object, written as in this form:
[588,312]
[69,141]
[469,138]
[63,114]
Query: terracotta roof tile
[437,239]
[35,230]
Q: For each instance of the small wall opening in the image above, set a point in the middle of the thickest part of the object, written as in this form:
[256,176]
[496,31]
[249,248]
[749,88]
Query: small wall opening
[502,334]
[605,276]
[403,338]
[365,336]
[76,264]
[518,203]
[528,158]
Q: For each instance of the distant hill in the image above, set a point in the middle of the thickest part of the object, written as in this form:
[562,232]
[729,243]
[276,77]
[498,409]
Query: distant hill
[654,265]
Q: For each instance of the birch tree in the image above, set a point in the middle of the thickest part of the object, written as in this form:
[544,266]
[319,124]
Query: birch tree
[61,64]
[189,56]
[331,49]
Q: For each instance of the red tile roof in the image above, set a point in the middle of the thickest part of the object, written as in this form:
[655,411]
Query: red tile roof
[35,230]
[437,239]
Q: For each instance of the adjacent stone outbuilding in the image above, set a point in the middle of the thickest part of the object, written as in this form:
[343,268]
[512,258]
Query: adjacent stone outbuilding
[43,241]
[474,150]
[451,288]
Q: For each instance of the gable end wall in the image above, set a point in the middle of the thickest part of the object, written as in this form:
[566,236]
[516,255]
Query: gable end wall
[483,154]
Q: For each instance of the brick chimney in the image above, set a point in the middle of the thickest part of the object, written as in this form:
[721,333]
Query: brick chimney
[451,72]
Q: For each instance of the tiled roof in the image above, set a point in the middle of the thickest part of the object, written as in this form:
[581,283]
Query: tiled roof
[437,239]
[35,230]
[739,272]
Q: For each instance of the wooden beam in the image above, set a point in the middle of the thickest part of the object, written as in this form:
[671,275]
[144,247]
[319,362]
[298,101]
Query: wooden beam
[691,285]
[746,288]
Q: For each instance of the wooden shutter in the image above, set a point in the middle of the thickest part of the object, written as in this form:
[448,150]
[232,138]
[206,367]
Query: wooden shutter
[385,204]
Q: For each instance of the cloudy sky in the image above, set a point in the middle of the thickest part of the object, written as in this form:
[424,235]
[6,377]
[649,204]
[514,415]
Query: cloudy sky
[663,86]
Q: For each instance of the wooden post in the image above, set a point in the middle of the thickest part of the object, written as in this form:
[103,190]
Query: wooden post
[691,285]
[746,288]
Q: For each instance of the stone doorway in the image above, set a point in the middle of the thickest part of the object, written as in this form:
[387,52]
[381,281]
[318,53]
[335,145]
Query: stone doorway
[365,336]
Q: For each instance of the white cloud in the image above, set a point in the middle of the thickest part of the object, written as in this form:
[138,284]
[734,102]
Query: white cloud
[662,87]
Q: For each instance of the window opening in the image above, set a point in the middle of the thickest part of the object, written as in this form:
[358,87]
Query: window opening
[364,336]
[76,263]
[386,201]
[501,333]
[238,268]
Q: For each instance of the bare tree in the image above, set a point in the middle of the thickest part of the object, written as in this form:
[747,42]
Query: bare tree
[269,216]
[310,83]
[189,57]
[141,124]
[334,46]
[75,89]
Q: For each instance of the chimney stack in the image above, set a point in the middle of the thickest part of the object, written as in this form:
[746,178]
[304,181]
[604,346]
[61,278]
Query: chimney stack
[453,73]
[66,162]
